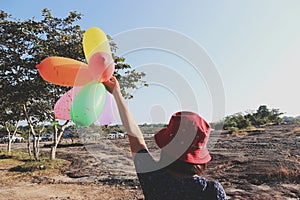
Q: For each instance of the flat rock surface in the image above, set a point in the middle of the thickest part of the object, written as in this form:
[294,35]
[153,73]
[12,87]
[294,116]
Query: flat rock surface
[256,165]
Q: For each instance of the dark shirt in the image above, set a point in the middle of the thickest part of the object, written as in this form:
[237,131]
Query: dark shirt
[161,185]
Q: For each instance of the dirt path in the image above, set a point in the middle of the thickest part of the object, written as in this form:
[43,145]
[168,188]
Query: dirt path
[27,191]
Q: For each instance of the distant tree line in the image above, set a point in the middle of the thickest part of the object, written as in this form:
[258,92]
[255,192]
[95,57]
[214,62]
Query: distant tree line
[262,116]
[291,120]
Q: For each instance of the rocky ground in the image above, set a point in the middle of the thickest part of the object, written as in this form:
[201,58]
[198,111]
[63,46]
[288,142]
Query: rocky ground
[253,165]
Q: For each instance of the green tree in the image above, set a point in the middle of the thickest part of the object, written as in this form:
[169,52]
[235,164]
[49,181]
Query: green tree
[275,116]
[262,116]
[238,121]
[265,116]
[23,44]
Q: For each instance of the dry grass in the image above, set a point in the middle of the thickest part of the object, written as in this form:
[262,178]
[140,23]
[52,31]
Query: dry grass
[286,173]
[19,166]
[296,130]
[239,134]
[254,129]
[233,131]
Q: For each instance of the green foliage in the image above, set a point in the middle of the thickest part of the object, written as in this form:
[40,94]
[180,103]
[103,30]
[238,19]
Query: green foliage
[16,155]
[24,163]
[24,44]
[262,116]
[116,128]
[238,120]
[44,164]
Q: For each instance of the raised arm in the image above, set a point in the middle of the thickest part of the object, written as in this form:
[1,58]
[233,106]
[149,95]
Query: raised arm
[135,135]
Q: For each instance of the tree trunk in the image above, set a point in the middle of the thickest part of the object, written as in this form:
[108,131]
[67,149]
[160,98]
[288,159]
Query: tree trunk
[28,145]
[53,152]
[55,142]
[9,144]
[35,138]
[56,139]
[35,145]
[10,136]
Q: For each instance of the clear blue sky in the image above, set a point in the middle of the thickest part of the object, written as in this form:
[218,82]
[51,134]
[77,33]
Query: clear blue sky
[254,44]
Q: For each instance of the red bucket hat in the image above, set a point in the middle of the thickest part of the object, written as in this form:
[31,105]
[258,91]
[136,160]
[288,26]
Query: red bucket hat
[185,138]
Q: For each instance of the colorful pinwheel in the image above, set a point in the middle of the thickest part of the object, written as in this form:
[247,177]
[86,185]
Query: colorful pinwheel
[84,103]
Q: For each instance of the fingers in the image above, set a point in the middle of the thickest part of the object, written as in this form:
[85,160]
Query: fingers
[114,80]
[111,84]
